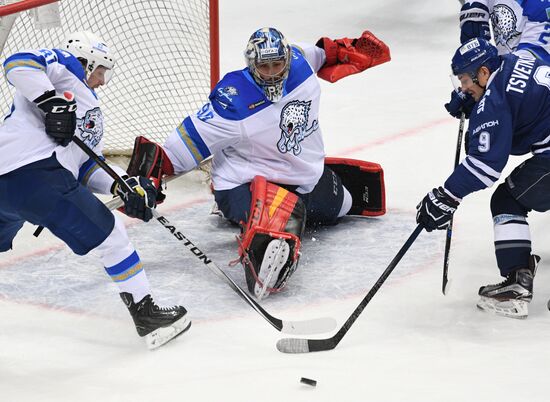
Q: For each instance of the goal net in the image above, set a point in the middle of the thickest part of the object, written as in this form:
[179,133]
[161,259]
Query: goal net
[166,58]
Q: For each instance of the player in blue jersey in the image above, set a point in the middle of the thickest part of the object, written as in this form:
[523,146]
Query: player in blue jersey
[47,180]
[511,117]
[261,125]
[521,27]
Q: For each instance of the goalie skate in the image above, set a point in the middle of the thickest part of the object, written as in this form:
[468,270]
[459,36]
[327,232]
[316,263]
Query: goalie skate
[275,258]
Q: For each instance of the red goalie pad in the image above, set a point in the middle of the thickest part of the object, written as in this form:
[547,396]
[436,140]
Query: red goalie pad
[275,213]
[365,182]
[351,56]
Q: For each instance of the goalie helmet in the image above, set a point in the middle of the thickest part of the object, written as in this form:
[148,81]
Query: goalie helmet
[265,46]
[90,49]
[474,54]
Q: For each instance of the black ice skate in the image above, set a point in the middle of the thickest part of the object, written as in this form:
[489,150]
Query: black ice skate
[157,324]
[511,297]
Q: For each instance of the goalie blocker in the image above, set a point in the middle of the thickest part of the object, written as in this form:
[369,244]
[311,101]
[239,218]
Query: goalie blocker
[149,160]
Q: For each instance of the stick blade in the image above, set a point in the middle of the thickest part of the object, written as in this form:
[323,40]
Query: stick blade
[292,345]
[309,327]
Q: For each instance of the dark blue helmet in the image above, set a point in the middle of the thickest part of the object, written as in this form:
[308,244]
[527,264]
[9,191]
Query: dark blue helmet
[473,54]
[264,46]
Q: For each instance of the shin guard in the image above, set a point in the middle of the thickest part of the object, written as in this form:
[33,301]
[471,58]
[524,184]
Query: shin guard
[270,243]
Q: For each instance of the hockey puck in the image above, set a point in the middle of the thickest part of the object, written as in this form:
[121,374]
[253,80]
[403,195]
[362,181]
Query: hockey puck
[308,381]
[548,304]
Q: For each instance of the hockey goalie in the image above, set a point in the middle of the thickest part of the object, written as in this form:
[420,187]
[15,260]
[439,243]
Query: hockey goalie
[269,171]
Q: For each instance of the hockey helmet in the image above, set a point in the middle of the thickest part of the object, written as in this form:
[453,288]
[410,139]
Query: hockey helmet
[474,54]
[90,49]
[268,45]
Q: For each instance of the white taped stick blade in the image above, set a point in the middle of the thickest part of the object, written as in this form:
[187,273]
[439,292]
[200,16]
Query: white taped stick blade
[309,327]
[292,345]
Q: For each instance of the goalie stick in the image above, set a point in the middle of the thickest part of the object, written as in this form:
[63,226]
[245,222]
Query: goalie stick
[304,327]
[295,345]
[449,232]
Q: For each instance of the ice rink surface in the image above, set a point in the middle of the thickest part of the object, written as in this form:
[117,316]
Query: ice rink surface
[66,336]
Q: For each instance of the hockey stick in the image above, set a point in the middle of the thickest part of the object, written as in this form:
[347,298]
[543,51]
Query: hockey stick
[445,280]
[295,345]
[305,327]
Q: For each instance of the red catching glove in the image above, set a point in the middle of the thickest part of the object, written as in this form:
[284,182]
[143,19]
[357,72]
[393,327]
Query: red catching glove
[351,56]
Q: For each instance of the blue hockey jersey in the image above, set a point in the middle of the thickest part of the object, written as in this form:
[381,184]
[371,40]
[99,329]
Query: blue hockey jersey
[512,118]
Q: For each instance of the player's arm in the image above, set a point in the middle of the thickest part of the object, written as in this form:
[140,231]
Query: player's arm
[216,126]
[27,71]
[347,56]
[474,20]
[489,147]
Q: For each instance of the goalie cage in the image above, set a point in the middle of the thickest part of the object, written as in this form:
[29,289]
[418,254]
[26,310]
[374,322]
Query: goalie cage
[167,57]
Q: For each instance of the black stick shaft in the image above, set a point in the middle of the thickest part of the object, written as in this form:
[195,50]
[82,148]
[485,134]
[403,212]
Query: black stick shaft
[445,279]
[324,344]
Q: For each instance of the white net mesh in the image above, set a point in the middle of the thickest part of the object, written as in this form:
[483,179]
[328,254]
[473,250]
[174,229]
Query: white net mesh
[162,70]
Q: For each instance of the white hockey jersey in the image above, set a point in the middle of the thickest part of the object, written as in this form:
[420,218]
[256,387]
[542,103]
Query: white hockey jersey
[248,135]
[518,25]
[23,139]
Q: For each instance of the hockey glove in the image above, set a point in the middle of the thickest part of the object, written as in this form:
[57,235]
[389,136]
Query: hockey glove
[474,29]
[137,204]
[461,102]
[436,209]
[60,121]
[351,56]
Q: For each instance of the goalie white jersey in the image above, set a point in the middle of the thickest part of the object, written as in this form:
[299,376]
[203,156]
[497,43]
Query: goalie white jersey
[23,139]
[248,135]
[518,26]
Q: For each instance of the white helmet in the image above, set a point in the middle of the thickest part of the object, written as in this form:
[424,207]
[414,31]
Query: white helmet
[92,49]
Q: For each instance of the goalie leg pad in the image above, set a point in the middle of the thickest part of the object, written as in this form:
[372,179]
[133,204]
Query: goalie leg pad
[270,244]
[365,182]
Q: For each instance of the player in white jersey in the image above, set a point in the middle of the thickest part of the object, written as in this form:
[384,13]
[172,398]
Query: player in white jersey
[261,125]
[47,180]
[520,27]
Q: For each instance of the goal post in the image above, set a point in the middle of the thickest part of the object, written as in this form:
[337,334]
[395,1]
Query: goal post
[167,58]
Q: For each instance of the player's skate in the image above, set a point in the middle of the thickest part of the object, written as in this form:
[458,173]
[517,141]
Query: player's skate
[511,297]
[157,324]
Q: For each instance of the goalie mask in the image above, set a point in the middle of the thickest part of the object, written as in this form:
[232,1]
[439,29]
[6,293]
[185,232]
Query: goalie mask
[91,50]
[268,57]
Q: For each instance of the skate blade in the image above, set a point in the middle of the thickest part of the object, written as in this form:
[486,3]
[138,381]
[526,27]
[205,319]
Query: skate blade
[160,336]
[275,257]
[509,308]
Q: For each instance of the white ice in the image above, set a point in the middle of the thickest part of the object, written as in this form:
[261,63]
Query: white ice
[65,335]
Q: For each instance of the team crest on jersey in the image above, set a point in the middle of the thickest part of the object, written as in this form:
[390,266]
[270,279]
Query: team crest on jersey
[294,126]
[504,23]
[91,127]
[228,93]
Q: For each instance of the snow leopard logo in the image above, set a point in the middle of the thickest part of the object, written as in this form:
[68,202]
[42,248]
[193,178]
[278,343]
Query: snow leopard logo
[91,127]
[293,125]
[504,23]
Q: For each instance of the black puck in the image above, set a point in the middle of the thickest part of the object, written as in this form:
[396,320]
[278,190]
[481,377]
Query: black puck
[308,381]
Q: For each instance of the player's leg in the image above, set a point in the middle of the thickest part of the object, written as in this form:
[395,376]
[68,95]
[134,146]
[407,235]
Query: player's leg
[50,196]
[328,201]
[270,243]
[526,189]
[234,203]
[10,221]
